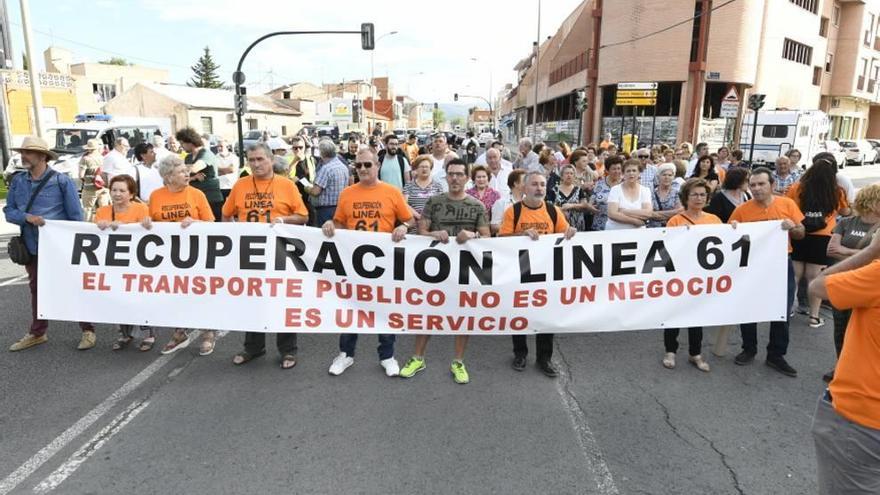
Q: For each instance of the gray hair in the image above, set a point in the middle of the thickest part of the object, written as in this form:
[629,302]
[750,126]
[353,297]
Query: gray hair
[260,145]
[566,167]
[531,173]
[666,167]
[525,142]
[168,164]
[121,141]
[327,148]
[280,166]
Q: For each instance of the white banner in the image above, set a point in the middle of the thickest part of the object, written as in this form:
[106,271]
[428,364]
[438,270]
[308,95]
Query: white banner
[281,278]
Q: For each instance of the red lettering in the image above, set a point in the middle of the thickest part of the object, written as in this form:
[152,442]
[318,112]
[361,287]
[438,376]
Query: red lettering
[322,288]
[129,278]
[88,281]
[637,289]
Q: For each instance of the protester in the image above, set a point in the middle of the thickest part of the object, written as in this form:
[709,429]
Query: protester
[439,153]
[126,208]
[350,154]
[846,425]
[116,161]
[794,158]
[784,176]
[580,159]
[498,172]
[705,169]
[203,168]
[393,165]
[528,159]
[146,171]
[532,217]
[734,192]
[179,202]
[648,174]
[93,193]
[517,188]
[330,179]
[265,197]
[613,177]
[410,148]
[693,196]
[764,206]
[573,201]
[452,215]
[159,147]
[549,167]
[302,164]
[481,190]
[821,200]
[227,167]
[421,188]
[665,197]
[35,195]
[850,236]
[470,152]
[723,161]
[629,203]
[369,199]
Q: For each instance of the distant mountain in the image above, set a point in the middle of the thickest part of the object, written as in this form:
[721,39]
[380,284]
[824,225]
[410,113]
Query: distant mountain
[453,110]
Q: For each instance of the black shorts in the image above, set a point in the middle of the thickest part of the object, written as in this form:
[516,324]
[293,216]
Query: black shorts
[811,249]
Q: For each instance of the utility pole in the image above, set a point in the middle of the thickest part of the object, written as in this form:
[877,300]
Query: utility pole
[537,64]
[32,69]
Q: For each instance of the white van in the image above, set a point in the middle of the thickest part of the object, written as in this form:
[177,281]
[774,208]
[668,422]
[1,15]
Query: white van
[781,130]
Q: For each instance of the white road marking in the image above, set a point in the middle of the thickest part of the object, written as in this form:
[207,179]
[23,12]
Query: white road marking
[90,448]
[13,281]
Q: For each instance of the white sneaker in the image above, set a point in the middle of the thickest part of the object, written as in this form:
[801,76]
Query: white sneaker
[391,366]
[340,363]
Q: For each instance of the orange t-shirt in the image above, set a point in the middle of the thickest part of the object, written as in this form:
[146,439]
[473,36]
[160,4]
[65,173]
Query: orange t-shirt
[681,220]
[781,208]
[137,211]
[253,200]
[533,218]
[166,206]
[376,208]
[831,218]
[855,389]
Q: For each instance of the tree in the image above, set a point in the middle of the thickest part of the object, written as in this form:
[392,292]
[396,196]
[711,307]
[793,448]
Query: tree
[458,121]
[439,118]
[114,61]
[205,72]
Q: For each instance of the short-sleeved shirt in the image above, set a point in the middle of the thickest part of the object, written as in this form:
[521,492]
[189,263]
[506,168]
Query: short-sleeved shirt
[417,196]
[136,212]
[830,218]
[782,208]
[376,208]
[533,218]
[256,200]
[781,184]
[617,196]
[681,220]
[855,389]
[670,202]
[332,178]
[455,215]
[167,206]
[852,230]
[211,184]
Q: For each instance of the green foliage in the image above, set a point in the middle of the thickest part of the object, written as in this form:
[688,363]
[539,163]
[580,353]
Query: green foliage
[439,117]
[205,72]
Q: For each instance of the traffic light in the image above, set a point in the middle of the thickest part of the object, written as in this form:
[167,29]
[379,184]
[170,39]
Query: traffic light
[367,40]
[455,96]
[241,101]
[580,100]
[356,111]
[756,101]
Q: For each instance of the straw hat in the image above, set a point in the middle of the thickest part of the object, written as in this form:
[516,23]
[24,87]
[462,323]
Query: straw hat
[36,143]
[93,144]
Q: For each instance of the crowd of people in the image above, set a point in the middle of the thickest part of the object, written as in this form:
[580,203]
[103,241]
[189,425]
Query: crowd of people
[457,196]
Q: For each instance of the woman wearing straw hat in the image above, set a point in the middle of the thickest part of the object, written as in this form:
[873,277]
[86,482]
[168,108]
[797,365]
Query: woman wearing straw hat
[90,174]
[57,199]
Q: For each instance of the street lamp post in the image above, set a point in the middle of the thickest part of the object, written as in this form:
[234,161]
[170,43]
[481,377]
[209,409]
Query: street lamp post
[456,96]
[491,96]
[367,43]
[372,81]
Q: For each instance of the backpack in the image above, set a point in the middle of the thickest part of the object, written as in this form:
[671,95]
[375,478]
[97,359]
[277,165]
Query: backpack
[517,211]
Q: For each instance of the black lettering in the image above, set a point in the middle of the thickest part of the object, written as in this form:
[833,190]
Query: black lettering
[658,257]
[704,251]
[142,251]
[443,271]
[525,269]
[85,244]
[399,263]
[581,259]
[467,264]
[358,261]
[114,249]
[328,249]
[284,253]
[249,250]
[218,245]
[618,258]
[193,251]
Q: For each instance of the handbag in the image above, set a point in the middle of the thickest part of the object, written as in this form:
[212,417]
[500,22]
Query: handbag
[16,248]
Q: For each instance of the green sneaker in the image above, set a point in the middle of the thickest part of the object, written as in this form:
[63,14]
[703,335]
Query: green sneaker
[459,372]
[413,366]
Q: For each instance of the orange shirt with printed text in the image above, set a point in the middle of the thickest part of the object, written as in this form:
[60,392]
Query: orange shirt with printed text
[855,389]
[533,218]
[137,211]
[166,206]
[376,208]
[831,218]
[781,208]
[682,220]
[255,200]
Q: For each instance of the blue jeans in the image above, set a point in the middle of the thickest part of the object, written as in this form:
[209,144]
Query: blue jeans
[324,213]
[778,344]
[347,342]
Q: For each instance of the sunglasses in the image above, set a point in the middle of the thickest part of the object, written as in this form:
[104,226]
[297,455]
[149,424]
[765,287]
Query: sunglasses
[360,165]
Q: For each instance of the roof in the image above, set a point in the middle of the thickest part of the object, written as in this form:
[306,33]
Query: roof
[218,99]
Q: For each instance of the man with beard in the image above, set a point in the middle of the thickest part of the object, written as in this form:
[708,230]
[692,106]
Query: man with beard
[393,166]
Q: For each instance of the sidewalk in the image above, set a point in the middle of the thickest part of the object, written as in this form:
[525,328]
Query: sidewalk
[6,228]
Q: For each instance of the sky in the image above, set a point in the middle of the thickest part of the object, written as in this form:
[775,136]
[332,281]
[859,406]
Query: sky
[429,58]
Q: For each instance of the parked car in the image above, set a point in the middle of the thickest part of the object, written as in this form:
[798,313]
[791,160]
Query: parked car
[249,138]
[859,152]
[875,143]
[485,139]
[834,148]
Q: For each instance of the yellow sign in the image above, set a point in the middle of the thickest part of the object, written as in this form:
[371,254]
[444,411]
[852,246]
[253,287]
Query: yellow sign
[637,93]
[635,102]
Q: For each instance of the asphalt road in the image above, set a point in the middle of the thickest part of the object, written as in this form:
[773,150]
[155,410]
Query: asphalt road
[615,422]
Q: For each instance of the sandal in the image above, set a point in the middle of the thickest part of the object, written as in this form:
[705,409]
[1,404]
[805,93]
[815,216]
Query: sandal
[147,344]
[122,343]
[244,357]
[176,343]
[207,347]
[288,358]
[816,322]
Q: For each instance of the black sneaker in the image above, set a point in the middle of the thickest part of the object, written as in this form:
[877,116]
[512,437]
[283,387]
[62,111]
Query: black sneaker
[781,365]
[827,377]
[548,368]
[744,358]
[519,363]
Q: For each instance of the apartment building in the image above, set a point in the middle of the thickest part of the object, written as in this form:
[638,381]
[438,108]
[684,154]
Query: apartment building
[801,54]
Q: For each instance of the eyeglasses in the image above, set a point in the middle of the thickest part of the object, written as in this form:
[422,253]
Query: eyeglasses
[360,165]
[296,147]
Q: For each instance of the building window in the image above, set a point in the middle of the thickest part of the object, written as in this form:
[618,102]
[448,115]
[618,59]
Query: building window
[863,74]
[823,27]
[207,125]
[285,95]
[252,124]
[104,92]
[284,130]
[817,76]
[695,34]
[869,31]
[806,4]
[829,58]
[774,131]
[797,52]
[835,15]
